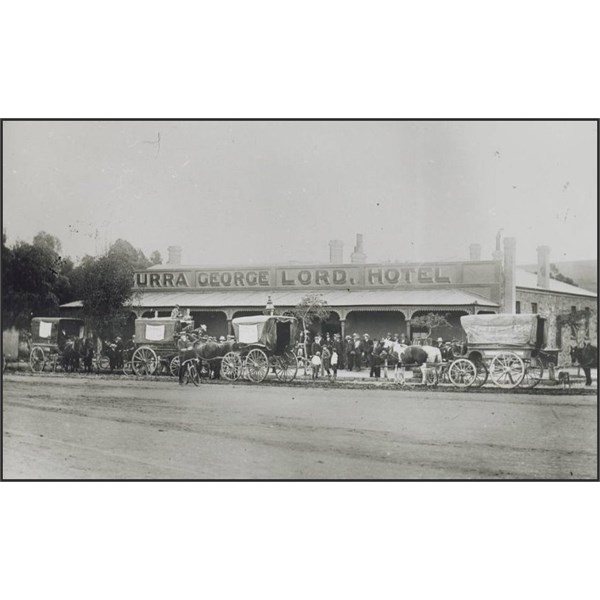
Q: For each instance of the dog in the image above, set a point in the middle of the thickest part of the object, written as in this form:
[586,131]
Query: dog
[565,379]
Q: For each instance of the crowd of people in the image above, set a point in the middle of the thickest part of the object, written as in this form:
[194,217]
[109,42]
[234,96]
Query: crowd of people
[329,353]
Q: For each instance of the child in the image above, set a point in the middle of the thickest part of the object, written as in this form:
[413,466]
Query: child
[315,361]
[334,363]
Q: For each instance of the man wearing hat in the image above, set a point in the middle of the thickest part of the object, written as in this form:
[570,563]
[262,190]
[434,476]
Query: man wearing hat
[367,348]
[316,346]
[338,346]
[355,353]
[440,342]
[119,347]
[184,345]
[348,356]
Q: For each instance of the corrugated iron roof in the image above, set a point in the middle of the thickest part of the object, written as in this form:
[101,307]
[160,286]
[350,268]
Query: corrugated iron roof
[258,298]
[529,281]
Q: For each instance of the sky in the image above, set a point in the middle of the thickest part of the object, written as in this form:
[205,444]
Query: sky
[261,192]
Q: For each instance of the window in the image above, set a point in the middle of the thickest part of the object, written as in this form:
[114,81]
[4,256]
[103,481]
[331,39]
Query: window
[573,309]
[518,307]
[534,307]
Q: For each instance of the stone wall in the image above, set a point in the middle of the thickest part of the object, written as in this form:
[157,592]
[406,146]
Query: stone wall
[550,306]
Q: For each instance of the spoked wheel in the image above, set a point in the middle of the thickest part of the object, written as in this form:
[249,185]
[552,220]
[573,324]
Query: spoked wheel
[127,368]
[257,365]
[231,366]
[191,372]
[37,360]
[534,371]
[144,361]
[507,370]
[103,363]
[462,373]
[482,374]
[174,366]
[286,367]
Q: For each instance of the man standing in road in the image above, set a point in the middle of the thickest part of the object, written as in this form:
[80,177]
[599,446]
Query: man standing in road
[184,346]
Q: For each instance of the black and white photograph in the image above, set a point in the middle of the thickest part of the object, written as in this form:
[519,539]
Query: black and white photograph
[299,300]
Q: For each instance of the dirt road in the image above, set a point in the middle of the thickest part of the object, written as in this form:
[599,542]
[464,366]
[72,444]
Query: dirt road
[88,428]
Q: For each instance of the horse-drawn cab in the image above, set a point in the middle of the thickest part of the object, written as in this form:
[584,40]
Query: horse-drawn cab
[156,343]
[263,343]
[50,338]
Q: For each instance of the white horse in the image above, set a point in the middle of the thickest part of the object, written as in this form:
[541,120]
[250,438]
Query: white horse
[417,355]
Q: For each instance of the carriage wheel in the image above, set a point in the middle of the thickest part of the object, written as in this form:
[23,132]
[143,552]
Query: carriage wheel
[257,365]
[174,366]
[533,373]
[286,367]
[127,368]
[462,373]
[482,374]
[231,366]
[191,372]
[507,370]
[103,363]
[37,360]
[144,361]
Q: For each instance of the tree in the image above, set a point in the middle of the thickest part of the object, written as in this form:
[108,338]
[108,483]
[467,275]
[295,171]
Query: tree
[123,250]
[311,309]
[47,242]
[156,258]
[576,321]
[430,321]
[31,276]
[106,286]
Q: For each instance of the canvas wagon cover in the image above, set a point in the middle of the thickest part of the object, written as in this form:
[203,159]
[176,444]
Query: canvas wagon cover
[501,330]
[260,329]
[155,331]
[47,330]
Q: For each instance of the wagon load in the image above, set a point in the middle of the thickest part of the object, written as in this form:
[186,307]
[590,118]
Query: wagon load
[501,330]
[508,345]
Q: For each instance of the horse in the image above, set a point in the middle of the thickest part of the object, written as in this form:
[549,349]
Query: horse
[212,353]
[418,355]
[76,354]
[70,356]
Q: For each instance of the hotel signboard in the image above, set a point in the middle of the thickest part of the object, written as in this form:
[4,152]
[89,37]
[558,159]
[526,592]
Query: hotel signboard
[322,277]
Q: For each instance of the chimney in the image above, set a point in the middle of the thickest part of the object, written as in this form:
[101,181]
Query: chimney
[497,254]
[336,252]
[174,255]
[510,274]
[358,256]
[543,270]
[475,252]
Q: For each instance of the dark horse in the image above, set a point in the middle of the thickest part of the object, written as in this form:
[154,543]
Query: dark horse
[70,355]
[210,355]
